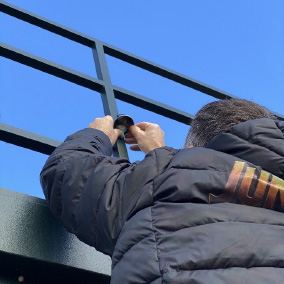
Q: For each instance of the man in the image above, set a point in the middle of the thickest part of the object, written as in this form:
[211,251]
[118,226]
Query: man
[209,213]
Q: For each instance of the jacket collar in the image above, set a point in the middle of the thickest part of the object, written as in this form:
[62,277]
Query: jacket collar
[259,141]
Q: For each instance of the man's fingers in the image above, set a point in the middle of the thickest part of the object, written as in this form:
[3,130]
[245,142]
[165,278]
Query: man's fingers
[135,148]
[129,135]
[142,125]
[136,131]
[118,132]
[130,140]
[105,124]
[102,122]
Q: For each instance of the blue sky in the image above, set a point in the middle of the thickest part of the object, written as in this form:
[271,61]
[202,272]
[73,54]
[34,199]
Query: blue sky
[236,46]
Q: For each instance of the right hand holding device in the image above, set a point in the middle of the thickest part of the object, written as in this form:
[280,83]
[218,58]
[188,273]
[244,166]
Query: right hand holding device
[148,136]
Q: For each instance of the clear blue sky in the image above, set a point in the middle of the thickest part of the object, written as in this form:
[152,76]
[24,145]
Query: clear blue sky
[236,46]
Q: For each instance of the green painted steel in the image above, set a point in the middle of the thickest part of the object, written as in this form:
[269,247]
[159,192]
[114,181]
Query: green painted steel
[28,140]
[29,235]
[123,55]
[107,96]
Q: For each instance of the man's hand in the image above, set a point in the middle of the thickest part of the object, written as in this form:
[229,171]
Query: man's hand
[148,136]
[105,124]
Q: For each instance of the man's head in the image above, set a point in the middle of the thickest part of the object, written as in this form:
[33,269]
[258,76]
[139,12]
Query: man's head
[219,116]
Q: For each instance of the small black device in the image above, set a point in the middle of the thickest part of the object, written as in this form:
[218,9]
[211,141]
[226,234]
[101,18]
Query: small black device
[123,122]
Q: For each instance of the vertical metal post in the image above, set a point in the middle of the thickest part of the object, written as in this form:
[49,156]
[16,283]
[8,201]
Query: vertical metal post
[107,95]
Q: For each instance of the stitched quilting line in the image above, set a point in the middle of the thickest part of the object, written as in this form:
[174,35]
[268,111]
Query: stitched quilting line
[156,247]
[195,169]
[152,227]
[153,280]
[218,268]
[123,253]
[99,199]
[219,222]
[254,141]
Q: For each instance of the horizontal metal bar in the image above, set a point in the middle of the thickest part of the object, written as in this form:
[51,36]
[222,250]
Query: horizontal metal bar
[151,105]
[50,67]
[29,140]
[165,72]
[46,24]
[112,51]
[120,54]
[91,83]
[95,84]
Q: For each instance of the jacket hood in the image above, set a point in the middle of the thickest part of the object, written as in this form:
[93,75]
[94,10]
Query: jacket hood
[259,141]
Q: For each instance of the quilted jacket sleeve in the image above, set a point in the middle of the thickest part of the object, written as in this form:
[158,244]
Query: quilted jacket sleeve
[90,192]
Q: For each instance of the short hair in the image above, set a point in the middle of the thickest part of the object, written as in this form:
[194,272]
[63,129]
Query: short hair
[219,116]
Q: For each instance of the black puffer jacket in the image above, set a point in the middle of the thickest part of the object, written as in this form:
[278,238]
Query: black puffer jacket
[179,216]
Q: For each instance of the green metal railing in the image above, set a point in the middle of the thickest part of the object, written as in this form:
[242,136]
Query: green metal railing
[102,84]
[27,231]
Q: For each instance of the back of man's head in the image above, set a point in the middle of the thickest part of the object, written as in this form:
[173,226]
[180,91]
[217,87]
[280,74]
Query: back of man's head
[219,116]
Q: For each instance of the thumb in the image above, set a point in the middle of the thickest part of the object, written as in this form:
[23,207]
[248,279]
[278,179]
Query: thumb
[118,133]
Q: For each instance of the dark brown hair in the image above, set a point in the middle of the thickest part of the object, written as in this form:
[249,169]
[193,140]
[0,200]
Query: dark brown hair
[219,116]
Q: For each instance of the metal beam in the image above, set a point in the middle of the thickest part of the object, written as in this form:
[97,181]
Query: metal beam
[34,245]
[27,139]
[87,81]
[17,268]
[108,98]
[112,51]
[151,105]
[95,84]
[50,67]
[120,54]
[165,72]
[46,24]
